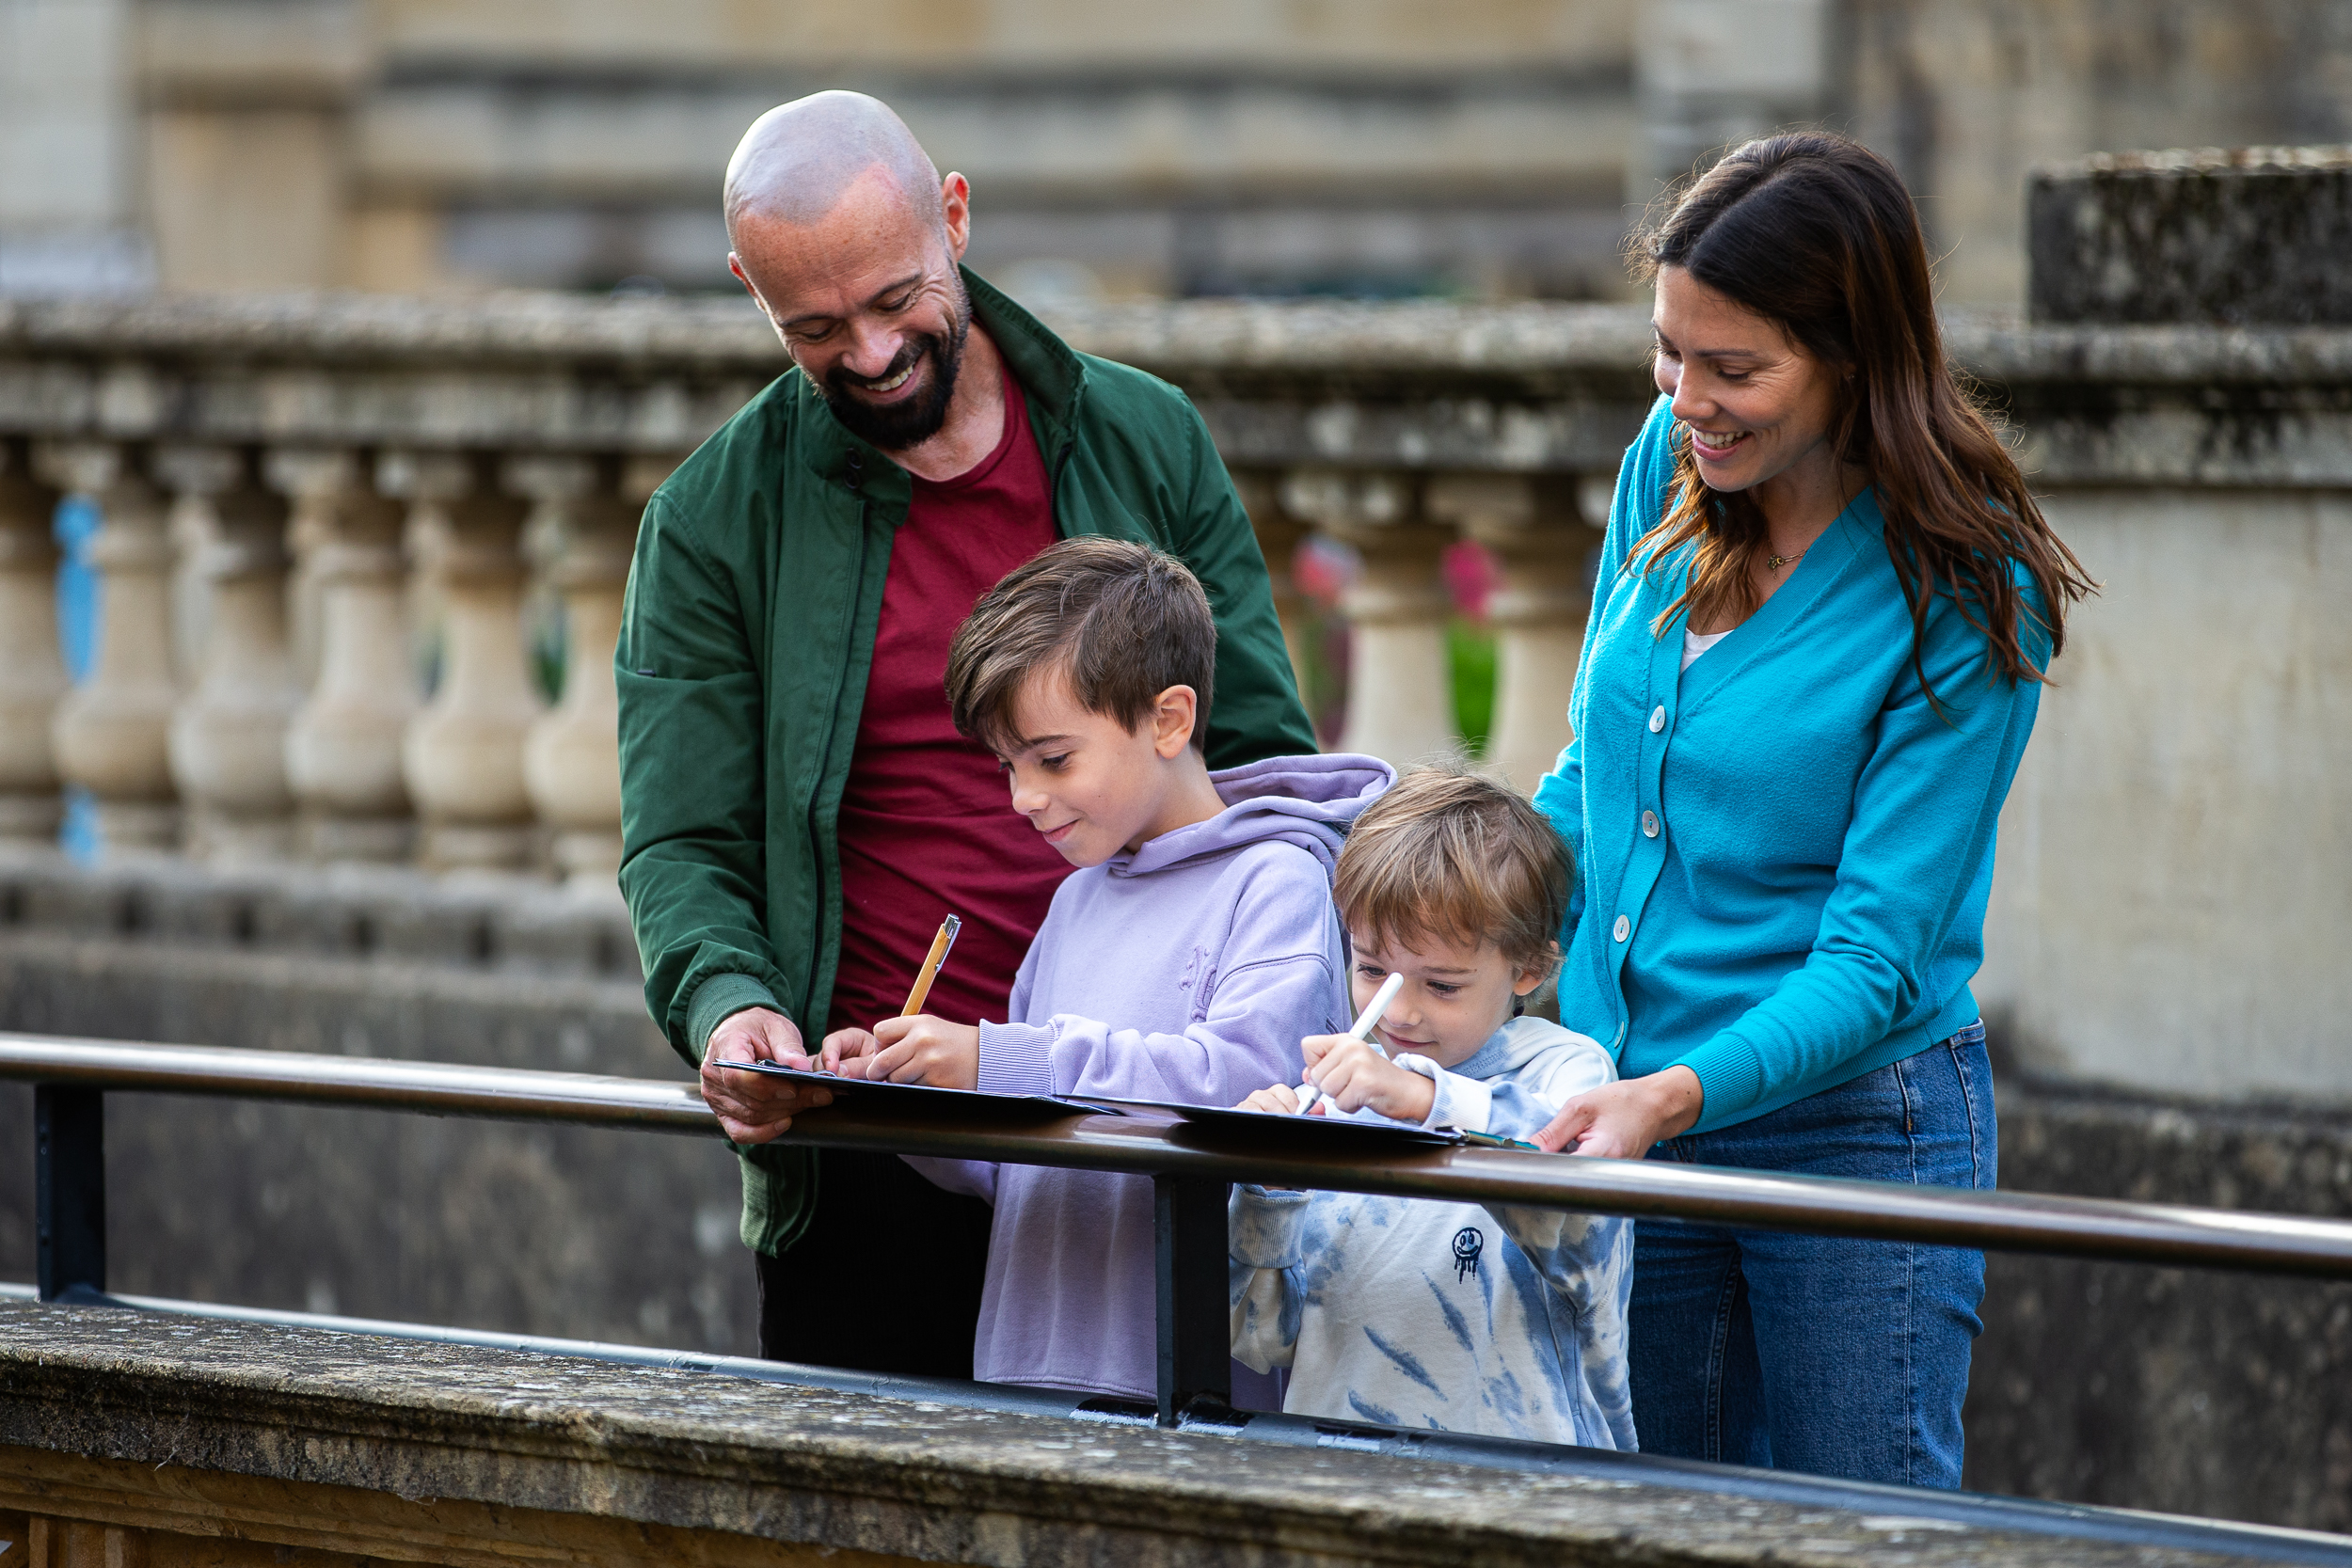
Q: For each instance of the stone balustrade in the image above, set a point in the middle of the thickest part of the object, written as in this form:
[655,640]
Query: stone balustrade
[316,520]
[329,524]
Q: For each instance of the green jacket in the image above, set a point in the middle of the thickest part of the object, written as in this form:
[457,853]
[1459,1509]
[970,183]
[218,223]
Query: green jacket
[745,641]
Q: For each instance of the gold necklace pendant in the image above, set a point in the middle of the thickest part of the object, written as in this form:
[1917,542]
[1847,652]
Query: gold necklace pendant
[1774,563]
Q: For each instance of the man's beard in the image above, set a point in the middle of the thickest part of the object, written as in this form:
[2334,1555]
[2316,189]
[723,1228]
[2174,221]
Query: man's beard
[896,426]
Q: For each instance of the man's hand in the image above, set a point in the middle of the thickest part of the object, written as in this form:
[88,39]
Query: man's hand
[753,1107]
[1281,1099]
[927,1049]
[1355,1075]
[1621,1120]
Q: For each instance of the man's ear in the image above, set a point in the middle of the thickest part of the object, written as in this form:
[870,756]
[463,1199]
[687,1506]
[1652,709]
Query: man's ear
[735,265]
[1172,713]
[955,208]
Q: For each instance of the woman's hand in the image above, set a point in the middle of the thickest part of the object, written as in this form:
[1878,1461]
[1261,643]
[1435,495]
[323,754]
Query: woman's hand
[1356,1074]
[925,1049]
[1621,1120]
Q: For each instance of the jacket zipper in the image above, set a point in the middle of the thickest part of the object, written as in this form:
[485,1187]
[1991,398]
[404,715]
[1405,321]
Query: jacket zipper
[829,878]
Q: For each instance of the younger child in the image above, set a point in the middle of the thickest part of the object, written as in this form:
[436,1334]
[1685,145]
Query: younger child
[1414,1312]
[1184,961]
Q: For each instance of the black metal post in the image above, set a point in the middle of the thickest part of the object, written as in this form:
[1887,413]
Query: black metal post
[1196,1332]
[69,1188]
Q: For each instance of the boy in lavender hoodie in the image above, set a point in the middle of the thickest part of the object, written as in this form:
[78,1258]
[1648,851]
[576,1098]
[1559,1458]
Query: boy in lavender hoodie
[1184,960]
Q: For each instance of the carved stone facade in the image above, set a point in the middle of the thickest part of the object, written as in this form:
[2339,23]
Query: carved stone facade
[1483,148]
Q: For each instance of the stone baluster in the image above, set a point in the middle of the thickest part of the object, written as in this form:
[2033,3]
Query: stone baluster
[195,477]
[32,671]
[572,756]
[1279,535]
[1400,693]
[111,732]
[1539,541]
[229,737]
[463,755]
[342,748]
[315,484]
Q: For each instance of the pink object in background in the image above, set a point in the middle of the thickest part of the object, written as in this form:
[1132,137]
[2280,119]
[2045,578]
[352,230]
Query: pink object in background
[1322,569]
[1469,576]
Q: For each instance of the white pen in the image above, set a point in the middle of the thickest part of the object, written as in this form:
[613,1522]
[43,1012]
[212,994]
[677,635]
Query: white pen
[1361,1030]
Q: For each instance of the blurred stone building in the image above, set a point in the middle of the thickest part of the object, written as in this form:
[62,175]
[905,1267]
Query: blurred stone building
[1479,149]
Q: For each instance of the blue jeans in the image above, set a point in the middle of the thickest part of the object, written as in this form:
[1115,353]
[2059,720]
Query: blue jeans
[1822,1353]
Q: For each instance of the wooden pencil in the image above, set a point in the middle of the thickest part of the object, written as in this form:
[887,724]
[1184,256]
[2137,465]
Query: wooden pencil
[940,943]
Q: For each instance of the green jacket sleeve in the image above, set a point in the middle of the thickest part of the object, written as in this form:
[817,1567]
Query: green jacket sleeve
[693,862]
[1255,711]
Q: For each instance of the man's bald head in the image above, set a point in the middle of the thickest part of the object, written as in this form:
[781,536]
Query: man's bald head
[800,159]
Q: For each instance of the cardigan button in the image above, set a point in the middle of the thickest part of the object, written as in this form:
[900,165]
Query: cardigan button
[1623,926]
[1650,824]
[1658,719]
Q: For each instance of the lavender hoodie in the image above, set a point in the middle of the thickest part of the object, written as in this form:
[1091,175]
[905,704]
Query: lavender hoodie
[1188,970]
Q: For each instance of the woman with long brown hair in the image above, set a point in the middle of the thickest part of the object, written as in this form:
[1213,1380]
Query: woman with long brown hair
[1816,650]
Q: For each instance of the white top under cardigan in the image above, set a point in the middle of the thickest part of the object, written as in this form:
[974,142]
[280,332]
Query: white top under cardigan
[1693,645]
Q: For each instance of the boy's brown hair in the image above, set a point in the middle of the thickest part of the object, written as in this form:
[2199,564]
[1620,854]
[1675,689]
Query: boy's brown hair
[1450,855]
[1124,621]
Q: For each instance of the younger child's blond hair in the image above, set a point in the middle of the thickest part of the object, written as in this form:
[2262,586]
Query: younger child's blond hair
[1446,854]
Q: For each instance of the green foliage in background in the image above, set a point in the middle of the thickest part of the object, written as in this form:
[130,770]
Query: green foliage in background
[1470,663]
[1470,652]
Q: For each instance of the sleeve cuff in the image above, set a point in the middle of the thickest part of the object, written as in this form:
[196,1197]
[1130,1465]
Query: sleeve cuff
[719,998]
[1016,1058]
[1458,1102]
[1730,1075]
[1264,1229]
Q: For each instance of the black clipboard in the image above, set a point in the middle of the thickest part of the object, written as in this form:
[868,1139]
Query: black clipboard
[1273,1130]
[928,1103]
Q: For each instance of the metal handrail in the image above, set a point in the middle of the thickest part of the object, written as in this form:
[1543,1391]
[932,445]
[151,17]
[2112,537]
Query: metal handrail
[1154,1145]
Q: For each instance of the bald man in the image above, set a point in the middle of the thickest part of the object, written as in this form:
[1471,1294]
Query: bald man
[799,812]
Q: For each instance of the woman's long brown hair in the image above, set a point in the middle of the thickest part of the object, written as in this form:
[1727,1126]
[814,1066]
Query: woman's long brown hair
[1816,233]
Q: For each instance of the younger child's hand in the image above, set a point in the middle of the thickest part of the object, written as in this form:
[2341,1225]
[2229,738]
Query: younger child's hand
[1281,1098]
[1355,1076]
[925,1049]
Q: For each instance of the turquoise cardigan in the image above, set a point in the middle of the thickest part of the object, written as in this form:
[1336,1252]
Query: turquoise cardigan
[1783,855]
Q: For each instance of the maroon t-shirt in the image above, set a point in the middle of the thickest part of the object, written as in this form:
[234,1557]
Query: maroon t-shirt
[927,821]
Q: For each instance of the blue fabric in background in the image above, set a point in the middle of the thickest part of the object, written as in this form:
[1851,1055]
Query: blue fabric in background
[76,523]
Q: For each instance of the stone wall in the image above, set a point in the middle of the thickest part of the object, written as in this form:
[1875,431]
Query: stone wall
[578,1232]
[2180,1389]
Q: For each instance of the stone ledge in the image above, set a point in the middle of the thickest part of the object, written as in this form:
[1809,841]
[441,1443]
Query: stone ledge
[1256,341]
[173,1516]
[845,1472]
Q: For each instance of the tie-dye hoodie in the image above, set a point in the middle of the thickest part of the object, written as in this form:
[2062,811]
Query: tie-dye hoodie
[1457,1317]
[1188,970]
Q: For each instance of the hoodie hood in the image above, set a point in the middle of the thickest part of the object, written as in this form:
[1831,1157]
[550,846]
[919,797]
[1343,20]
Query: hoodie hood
[1306,800]
[1518,1042]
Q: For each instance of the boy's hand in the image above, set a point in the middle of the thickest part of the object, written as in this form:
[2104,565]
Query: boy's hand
[1355,1075]
[1281,1098]
[925,1049]
[849,1052]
